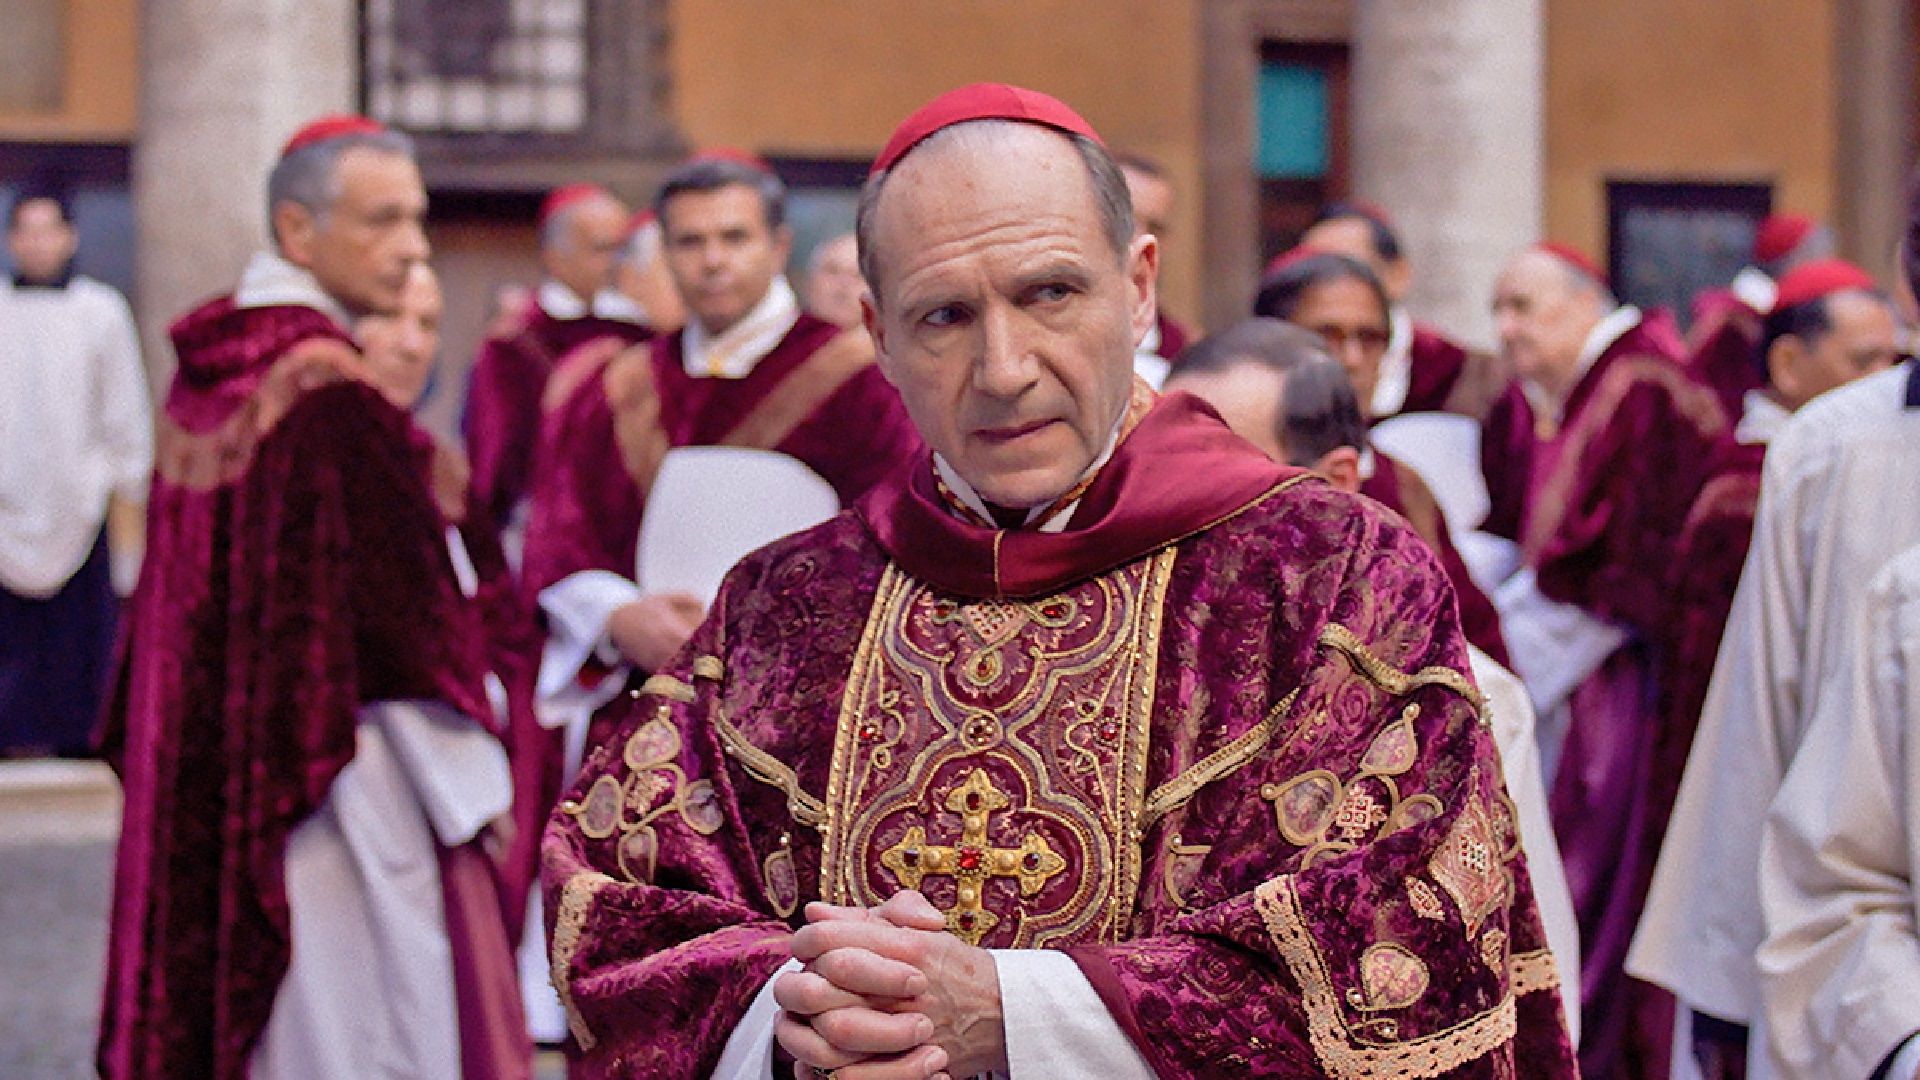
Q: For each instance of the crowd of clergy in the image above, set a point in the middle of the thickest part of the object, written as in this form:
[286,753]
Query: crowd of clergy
[1319,696]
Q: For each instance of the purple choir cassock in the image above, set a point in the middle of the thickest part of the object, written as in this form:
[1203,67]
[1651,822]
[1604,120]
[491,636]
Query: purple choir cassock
[1401,490]
[1722,345]
[613,413]
[1214,741]
[1174,336]
[1597,503]
[1444,376]
[297,546]
[501,423]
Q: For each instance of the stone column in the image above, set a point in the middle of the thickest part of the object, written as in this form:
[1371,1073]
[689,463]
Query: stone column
[1448,107]
[1874,128]
[223,83]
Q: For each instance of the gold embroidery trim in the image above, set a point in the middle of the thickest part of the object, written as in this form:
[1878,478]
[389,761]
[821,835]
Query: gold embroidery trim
[1394,681]
[709,668]
[1531,972]
[893,583]
[1218,765]
[770,771]
[668,687]
[1343,1056]
[576,897]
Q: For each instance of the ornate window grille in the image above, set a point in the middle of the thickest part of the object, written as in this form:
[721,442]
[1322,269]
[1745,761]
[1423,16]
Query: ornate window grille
[478,67]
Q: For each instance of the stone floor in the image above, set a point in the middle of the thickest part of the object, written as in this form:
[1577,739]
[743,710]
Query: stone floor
[58,821]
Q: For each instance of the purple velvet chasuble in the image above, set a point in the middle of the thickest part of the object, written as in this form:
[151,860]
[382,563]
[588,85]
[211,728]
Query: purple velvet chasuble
[1598,504]
[1214,740]
[501,421]
[297,546]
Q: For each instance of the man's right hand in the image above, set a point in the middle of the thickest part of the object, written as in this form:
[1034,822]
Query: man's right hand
[651,629]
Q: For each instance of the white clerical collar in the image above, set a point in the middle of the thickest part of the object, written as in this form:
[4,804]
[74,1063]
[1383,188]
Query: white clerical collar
[1755,289]
[564,305]
[733,353]
[1761,418]
[271,281]
[1147,361]
[1395,381]
[1058,522]
[1602,337]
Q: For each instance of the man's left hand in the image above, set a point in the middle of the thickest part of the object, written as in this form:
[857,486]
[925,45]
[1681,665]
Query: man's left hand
[855,951]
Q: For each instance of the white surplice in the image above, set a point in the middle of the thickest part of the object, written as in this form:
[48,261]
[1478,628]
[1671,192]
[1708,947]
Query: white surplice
[1840,970]
[75,427]
[1836,503]
[370,991]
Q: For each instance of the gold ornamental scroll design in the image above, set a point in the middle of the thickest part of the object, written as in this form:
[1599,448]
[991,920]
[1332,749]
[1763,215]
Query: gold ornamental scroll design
[1370,1050]
[1065,738]
[630,808]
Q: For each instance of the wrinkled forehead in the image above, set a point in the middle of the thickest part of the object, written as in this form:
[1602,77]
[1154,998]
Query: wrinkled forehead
[1535,276]
[978,167]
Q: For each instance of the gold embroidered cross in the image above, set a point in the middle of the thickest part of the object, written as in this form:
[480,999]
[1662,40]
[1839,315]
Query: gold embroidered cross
[972,862]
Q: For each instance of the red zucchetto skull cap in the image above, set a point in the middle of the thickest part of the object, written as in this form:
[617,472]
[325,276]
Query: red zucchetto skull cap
[981,101]
[1821,278]
[332,127]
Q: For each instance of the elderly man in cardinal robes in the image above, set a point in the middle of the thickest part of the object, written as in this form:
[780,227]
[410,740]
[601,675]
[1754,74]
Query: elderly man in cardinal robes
[750,369]
[76,446]
[1727,322]
[1277,387]
[1592,471]
[1833,509]
[1092,743]
[1422,369]
[583,231]
[1840,859]
[299,718]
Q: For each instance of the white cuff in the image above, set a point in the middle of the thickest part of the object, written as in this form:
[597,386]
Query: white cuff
[1056,1025]
[749,1051]
[1555,646]
[578,607]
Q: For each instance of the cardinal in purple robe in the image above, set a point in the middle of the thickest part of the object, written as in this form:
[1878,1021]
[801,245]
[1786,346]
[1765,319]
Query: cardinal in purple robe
[1105,745]
[1592,466]
[299,719]
[583,230]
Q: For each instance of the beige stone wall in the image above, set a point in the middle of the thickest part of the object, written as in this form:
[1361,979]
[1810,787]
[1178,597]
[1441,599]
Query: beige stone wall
[1687,89]
[831,80]
[225,82]
[100,92]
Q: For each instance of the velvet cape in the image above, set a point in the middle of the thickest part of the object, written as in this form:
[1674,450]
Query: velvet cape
[501,419]
[296,547]
[612,410]
[1598,502]
[1400,489]
[1282,921]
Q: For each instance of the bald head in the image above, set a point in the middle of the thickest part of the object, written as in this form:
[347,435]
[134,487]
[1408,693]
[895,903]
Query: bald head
[1544,309]
[974,144]
[580,242]
[1007,294]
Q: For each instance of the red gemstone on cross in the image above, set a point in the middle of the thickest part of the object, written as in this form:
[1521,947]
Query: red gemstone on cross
[1109,731]
[970,858]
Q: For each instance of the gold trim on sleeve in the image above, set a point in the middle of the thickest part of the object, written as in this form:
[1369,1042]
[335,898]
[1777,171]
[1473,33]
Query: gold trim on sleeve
[668,687]
[1394,681]
[771,771]
[709,668]
[1531,972]
[1343,1055]
[575,899]
[1223,762]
